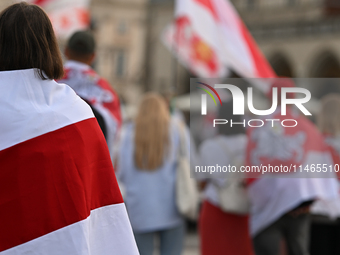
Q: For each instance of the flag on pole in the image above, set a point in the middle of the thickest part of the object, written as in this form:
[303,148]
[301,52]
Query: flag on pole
[66,16]
[58,191]
[200,57]
[209,37]
[228,45]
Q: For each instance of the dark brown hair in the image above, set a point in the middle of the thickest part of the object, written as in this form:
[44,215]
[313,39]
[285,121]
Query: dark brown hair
[27,40]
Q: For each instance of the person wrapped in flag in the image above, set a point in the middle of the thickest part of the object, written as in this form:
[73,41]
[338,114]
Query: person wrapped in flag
[281,201]
[58,191]
[96,91]
[326,213]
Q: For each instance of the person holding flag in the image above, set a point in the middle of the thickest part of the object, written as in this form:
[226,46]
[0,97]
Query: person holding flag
[224,230]
[58,190]
[96,91]
[281,201]
[210,39]
[325,227]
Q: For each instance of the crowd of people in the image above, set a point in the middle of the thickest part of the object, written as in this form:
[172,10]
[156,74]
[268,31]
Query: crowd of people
[58,190]
[239,215]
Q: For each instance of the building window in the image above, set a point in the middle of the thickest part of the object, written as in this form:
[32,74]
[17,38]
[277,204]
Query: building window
[120,63]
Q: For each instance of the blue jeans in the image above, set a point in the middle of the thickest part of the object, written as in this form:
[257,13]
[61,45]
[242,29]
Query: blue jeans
[170,240]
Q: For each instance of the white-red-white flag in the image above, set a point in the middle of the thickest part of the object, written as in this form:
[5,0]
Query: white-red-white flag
[306,157]
[58,191]
[66,16]
[209,37]
[98,93]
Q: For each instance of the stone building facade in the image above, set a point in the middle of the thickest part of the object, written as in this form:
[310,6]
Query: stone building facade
[148,64]
[120,30]
[300,38]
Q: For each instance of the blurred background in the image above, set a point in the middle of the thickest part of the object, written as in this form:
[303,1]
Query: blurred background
[299,38]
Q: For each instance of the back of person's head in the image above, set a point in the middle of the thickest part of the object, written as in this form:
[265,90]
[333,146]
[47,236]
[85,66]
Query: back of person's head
[27,40]
[81,47]
[329,116]
[226,112]
[151,132]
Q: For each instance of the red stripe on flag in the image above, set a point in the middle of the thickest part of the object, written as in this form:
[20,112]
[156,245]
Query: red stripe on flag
[114,106]
[40,2]
[263,68]
[209,5]
[54,180]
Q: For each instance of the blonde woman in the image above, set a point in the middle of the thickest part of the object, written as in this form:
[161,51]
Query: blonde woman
[147,169]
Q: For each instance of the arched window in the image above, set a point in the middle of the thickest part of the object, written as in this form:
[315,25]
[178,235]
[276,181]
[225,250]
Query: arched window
[326,65]
[281,65]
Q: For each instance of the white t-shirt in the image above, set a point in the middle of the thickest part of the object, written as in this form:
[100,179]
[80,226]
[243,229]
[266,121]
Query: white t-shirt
[222,151]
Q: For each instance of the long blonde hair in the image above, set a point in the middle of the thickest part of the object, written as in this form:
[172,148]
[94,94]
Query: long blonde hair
[151,132]
[329,115]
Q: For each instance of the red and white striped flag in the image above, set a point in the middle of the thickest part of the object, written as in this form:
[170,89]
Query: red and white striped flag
[98,93]
[299,149]
[66,16]
[58,191]
[209,37]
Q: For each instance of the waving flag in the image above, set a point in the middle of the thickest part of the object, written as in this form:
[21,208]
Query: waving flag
[193,51]
[209,37]
[66,16]
[58,192]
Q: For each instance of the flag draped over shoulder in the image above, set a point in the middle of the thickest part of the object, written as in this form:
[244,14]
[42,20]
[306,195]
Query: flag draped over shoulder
[66,16]
[98,93]
[209,37]
[292,147]
[58,191]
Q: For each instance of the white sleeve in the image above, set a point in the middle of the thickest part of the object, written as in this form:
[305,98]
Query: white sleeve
[212,155]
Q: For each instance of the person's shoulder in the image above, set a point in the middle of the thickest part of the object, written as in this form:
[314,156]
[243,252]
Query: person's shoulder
[127,129]
[210,145]
[129,126]
[177,126]
[91,75]
[219,142]
[104,84]
[67,95]
[240,139]
[174,122]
